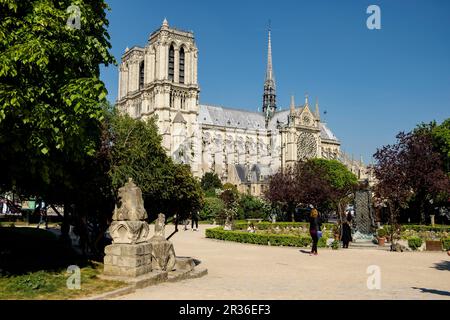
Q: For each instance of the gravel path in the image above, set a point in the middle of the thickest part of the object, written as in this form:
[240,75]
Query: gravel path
[244,271]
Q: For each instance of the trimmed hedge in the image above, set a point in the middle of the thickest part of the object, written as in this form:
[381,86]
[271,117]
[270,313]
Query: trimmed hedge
[415,243]
[262,239]
[267,225]
[419,227]
[446,244]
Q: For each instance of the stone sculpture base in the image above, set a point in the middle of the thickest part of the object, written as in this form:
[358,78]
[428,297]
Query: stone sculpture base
[163,254]
[128,260]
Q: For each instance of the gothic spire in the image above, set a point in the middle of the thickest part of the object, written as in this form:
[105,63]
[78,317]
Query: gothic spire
[292,105]
[269,71]
[317,113]
[269,97]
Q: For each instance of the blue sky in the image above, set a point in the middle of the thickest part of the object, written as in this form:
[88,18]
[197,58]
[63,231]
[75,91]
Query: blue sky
[372,83]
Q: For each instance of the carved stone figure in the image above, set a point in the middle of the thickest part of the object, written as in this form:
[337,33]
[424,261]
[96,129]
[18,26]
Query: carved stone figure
[163,253]
[130,254]
[131,203]
[160,224]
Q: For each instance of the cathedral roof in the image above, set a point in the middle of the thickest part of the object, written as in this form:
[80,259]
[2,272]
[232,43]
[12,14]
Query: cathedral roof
[243,119]
[326,133]
[232,118]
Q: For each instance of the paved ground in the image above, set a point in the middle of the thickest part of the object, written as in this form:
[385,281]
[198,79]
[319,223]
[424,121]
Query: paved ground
[243,271]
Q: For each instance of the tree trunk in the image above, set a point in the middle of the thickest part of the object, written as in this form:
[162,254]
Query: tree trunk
[422,212]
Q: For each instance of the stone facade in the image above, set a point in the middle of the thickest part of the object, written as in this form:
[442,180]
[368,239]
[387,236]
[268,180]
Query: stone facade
[242,147]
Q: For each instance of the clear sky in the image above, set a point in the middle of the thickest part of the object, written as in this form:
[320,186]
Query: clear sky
[371,83]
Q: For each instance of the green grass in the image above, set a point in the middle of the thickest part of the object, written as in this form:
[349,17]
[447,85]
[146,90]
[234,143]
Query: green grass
[33,265]
[52,285]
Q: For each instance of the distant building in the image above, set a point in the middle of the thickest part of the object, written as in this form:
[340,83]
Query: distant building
[242,147]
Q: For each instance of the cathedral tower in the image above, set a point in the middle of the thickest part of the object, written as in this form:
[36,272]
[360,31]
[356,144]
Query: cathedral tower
[269,97]
[160,80]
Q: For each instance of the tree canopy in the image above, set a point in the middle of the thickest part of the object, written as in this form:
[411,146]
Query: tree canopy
[50,92]
[411,169]
[211,181]
[321,182]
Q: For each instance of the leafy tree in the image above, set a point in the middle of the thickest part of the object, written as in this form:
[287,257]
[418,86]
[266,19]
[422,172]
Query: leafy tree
[50,91]
[323,183]
[51,101]
[230,197]
[212,209]
[210,182]
[409,169]
[252,207]
[281,192]
[136,151]
[336,191]
[441,141]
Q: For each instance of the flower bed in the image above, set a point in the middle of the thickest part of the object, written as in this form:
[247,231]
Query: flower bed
[281,225]
[265,238]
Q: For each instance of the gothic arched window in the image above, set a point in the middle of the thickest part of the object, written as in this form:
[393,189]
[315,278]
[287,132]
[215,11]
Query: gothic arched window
[141,74]
[171,63]
[182,65]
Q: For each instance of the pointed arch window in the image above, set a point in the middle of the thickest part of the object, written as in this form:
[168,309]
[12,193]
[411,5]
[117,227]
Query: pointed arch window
[171,63]
[182,65]
[141,74]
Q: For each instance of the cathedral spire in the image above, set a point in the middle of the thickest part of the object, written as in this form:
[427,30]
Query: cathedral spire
[292,105]
[269,71]
[317,113]
[269,97]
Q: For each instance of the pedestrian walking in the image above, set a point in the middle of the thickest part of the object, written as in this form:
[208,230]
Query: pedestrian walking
[194,218]
[347,231]
[314,228]
[43,215]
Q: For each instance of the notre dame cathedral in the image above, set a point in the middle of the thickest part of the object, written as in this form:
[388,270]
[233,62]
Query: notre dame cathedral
[243,147]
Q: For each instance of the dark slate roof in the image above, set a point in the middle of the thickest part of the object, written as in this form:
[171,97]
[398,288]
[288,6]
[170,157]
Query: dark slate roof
[179,118]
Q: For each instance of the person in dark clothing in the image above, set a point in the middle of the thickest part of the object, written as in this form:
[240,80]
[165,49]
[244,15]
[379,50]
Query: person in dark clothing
[314,227]
[194,220]
[347,231]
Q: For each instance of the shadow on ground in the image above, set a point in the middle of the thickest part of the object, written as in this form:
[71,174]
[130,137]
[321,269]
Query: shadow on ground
[24,250]
[433,291]
[443,265]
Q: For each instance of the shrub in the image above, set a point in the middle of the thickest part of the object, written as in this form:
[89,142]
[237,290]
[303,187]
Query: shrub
[381,233]
[212,208]
[252,207]
[335,245]
[322,243]
[446,244]
[255,238]
[414,243]
[419,227]
[281,225]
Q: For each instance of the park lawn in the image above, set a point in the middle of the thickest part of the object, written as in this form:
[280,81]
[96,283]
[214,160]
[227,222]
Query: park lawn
[51,285]
[33,265]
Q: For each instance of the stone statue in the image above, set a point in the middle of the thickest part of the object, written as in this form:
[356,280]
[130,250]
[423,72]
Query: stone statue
[163,253]
[128,224]
[131,203]
[130,254]
[160,224]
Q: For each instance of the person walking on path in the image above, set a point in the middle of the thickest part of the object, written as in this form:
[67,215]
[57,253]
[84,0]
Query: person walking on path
[43,215]
[347,231]
[314,228]
[194,220]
